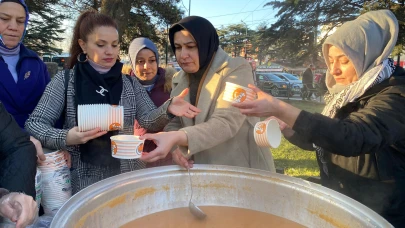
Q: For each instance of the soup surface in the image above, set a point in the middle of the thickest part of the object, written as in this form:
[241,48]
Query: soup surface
[216,217]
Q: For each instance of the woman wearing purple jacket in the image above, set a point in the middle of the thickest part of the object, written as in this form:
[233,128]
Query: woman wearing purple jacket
[23,74]
[144,58]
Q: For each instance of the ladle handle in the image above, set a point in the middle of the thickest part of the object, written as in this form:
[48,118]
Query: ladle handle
[191,184]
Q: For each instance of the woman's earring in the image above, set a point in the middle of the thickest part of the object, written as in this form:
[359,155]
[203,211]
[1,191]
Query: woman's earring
[79,57]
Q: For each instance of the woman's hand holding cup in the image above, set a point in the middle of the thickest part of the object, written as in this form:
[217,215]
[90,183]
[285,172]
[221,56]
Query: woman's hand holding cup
[284,128]
[75,137]
[264,105]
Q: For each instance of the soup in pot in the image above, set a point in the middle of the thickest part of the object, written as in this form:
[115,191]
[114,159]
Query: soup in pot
[217,216]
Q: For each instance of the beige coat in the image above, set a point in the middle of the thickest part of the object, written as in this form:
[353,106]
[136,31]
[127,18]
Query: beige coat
[220,134]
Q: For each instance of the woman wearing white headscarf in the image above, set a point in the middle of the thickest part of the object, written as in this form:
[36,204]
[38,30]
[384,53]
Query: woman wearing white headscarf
[360,136]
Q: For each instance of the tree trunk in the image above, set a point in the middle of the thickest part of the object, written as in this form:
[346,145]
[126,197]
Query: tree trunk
[96,5]
[315,34]
[234,48]
[166,41]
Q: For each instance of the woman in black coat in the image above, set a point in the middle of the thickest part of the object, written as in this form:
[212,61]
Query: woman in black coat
[360,136]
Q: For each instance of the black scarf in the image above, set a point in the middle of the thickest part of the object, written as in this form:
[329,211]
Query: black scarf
[92,87]
[206,36]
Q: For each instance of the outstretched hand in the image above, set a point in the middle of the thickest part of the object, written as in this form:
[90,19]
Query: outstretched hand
[284,128]
[164,141]
[267,105]
[264,105]
[180,107]
[281,123]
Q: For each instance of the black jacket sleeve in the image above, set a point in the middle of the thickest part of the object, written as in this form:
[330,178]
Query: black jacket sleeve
[301,141]
[17,156]
[380,123]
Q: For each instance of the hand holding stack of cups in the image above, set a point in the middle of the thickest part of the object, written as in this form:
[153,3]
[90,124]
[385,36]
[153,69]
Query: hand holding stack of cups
[266,133]
[110,118]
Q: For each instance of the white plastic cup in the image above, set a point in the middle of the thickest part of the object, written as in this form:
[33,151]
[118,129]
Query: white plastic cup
[236,93]
[126,146]
[267,133]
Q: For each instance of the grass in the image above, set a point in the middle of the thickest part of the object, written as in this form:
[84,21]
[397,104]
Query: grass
[295,161]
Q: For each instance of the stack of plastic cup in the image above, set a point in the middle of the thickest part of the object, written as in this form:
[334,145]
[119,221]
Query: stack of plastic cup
[55,185]
[105,116]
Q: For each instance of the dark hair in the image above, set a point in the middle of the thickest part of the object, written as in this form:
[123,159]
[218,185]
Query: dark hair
[87,22]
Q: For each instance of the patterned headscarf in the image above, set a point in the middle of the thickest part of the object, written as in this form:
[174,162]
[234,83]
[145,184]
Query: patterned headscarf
[367,42]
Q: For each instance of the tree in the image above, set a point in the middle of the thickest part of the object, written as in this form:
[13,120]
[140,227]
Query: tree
[294,46]
[234,38]
[260,47]
[295,34]
[44,27]
[135,18]
[398,8]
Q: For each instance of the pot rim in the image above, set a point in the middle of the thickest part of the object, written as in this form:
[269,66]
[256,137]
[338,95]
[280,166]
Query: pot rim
[107,185]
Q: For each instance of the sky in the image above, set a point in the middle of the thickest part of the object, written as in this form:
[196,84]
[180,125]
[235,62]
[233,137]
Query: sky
[226,12]
[218,12]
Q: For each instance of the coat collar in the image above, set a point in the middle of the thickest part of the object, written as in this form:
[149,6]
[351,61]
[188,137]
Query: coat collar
[23,86]
[210,89]
[25,53]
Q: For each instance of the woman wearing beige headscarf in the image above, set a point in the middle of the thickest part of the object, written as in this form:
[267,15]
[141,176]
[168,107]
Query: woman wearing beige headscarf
[360,136]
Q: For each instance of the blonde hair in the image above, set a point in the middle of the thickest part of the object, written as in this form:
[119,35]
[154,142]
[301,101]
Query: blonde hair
[126,69]
[170,71]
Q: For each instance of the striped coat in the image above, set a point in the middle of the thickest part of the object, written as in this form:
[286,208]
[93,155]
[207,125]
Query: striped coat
[137,105]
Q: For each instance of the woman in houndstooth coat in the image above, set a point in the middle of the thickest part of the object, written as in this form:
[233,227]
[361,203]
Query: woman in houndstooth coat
[95,78]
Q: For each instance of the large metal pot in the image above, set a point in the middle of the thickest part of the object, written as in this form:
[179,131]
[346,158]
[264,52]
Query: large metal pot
[118,200]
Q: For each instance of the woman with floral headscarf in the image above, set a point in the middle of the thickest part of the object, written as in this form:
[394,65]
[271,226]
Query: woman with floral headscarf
[360,136]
